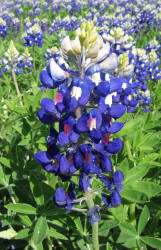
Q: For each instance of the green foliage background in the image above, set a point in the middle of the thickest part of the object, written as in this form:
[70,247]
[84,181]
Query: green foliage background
[27,212]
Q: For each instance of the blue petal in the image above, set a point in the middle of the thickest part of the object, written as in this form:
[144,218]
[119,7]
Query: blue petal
[93,69]
[106,164]
[115,84]
[46,80]
[45,118]
[102,89]
[60,198]
[114,146]
[73,136]
[84,96]
[78,159]
[115,199]
[95,135]
[106,199]
[117,110]
[115,127]
[83,183]
[43,157]
[48,105]
[82,124]
[63,139]
[118,177]
[64,165]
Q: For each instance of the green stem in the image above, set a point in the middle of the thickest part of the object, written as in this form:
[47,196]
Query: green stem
[132,206]
[34,61]
[90,204]
[132,214]
[128,150]
[95,236]
[50,243]
[16,86]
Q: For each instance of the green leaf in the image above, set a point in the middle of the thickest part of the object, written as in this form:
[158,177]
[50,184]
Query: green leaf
[134,195]
[108,224]
[78,224]
[40,230]
[53,233]
[143,219]
[137,173]
[6,162]
[21,208]
[127,228]
[141,245]
[22,234]
[24,142]
[25,220]
[36,188]
[130,126]
[108,246]
[124,167]
[39,247]
[150,189]
[2,177]
[152,242]
[8,234]
[120,212]
[128,235]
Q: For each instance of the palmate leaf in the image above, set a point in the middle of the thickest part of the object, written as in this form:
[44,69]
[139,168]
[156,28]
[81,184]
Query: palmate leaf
[144,217]
[128,235]
[120,212]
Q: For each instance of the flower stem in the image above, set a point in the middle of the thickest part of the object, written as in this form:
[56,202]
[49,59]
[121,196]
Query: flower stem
[90,204]
[16,86]
[132,214]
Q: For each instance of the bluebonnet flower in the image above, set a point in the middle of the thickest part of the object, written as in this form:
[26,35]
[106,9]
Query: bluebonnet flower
[93,215]
[3,28]
[33,36]
[64,199]
[13,61]
[89,100]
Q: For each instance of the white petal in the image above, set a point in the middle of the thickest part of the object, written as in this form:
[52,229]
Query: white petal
[110,64]
[56,72]
[103,52]
[66,45]
[76,92]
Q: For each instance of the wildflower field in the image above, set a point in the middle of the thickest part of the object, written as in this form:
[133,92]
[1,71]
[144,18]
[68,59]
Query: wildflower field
[80,124]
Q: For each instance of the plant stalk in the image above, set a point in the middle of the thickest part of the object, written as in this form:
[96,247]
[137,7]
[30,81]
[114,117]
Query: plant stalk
[90,204]
[132,214]
[16,86]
